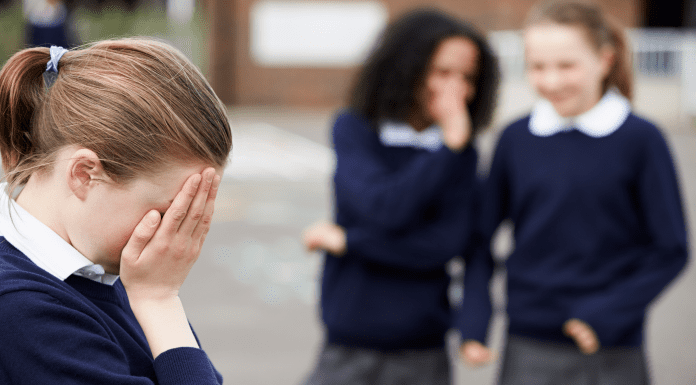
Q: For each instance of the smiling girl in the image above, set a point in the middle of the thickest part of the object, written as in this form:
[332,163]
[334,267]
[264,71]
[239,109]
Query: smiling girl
[598,223]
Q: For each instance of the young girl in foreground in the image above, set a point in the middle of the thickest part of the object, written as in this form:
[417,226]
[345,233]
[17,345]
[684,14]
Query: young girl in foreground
[112,155]
[404,182]
[592,191]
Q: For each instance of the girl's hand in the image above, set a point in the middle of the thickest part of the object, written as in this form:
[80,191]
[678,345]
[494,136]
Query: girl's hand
[475,354]
[583,335]
[448,108]
[159,256]
[326,236]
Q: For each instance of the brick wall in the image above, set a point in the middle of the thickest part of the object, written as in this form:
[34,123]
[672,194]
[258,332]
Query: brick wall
[239,80]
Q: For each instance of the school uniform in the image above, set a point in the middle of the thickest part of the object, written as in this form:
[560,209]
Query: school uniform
[405,202]
[65,321]
[599,232]
[46,24]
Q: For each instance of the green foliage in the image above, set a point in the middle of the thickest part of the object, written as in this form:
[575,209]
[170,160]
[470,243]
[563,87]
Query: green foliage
[114,22]
[11,30]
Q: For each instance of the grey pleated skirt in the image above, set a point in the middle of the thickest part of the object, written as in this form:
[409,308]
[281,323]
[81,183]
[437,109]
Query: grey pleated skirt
[528,361]
[340,365]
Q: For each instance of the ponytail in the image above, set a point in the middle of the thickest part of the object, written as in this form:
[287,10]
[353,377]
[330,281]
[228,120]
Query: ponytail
[138,103]
[621,74]
[21,95]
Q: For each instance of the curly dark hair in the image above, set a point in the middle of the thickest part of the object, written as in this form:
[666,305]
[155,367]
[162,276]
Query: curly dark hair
[386,85]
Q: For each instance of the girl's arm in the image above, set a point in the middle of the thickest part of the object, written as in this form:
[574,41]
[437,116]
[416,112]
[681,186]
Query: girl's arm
[473,317]
[661,255]
[369,189]
[426,245]
[429,243]
[58,337]
[157,259]
[61,340]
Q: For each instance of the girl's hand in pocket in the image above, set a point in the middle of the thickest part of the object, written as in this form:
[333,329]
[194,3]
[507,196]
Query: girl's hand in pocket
[583,335]
[475,354]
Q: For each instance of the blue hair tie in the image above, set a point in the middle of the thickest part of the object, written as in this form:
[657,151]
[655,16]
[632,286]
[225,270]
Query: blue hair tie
[51,72]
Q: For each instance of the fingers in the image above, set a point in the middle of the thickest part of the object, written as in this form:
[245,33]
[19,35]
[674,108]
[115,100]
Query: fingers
[448,108]
[310,243]
[325,236]
[475,354]
[583,335]
[197,207]
[189,206]
[312,236]
[203,225]
[177,212]
[142,234]
[449,98]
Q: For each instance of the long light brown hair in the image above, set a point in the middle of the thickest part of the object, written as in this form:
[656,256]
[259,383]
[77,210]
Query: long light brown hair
[601,30]
[139,104]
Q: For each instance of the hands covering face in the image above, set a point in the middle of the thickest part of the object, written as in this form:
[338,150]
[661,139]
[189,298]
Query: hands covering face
[161,251]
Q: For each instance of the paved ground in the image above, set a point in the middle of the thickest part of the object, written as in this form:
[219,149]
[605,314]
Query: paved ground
[252,295]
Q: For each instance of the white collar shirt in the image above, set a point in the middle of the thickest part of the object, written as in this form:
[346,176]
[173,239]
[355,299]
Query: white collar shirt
[396,134]
[600,121]
[43,246]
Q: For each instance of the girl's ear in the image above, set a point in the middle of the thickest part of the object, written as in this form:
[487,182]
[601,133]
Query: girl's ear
[83,170]
[607,56]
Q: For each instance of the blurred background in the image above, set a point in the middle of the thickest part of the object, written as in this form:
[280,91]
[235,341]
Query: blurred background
[284,68]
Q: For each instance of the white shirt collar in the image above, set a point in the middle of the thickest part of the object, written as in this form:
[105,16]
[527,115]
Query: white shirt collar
[601,120]
[43,246]
[397,134]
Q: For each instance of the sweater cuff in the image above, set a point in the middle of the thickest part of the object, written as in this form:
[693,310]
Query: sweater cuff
[184,365]
[465,152]
[473,324]
[445,163]
[610,326]
[476,330]
[353,239]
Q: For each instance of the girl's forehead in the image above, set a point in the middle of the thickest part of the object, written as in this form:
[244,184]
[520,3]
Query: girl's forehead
[455,48]
[551,38]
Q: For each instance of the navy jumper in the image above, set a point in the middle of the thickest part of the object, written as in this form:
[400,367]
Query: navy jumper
[598,227]
[79,331]
[407,212]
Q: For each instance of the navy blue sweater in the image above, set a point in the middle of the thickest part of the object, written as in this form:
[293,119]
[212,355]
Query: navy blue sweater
[406,214]
[79,331]
[598,226]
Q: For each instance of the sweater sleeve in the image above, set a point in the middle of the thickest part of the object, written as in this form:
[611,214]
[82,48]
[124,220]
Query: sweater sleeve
[46,342]
[662,256]
[370,190]
[428,244]
[428,248]
[185,366]
[473,317]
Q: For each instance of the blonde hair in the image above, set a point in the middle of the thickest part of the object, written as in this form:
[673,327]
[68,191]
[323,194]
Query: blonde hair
[139,104]
[601,30]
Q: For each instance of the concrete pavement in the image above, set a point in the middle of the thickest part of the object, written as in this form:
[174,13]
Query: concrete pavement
[252,295]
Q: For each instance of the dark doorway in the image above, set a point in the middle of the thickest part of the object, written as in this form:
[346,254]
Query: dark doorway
[667,13]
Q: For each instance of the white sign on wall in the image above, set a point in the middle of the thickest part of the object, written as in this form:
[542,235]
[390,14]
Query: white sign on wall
[314,33]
